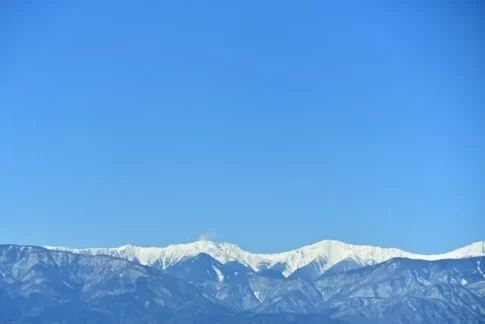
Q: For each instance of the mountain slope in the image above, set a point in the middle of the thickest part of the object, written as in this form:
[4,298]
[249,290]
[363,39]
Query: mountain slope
[408,291]
[259,292]
[203,268]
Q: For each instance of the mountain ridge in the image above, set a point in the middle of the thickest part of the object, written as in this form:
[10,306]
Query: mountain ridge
[321,255]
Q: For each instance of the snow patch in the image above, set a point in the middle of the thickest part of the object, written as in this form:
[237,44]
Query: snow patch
[257,294]
[220,276]
[480,269]
[67,284]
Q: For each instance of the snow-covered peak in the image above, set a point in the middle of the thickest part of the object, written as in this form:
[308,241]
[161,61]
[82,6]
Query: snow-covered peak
[325,254]
[332,252]
[222,252]
[472,250]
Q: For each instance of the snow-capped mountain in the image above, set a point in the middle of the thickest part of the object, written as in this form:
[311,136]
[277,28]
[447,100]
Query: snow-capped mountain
[318,257]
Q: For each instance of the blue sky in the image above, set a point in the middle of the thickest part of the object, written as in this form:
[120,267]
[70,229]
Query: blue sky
[273,124]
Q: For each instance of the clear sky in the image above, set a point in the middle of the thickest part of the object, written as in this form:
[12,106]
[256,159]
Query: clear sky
[272,124]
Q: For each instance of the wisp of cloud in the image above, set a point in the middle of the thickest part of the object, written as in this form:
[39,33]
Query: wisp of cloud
[207,236]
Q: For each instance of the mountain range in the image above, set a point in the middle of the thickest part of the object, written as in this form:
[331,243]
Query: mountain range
[209,282]
[312,260]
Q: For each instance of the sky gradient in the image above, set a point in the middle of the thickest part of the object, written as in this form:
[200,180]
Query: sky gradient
[270,125]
